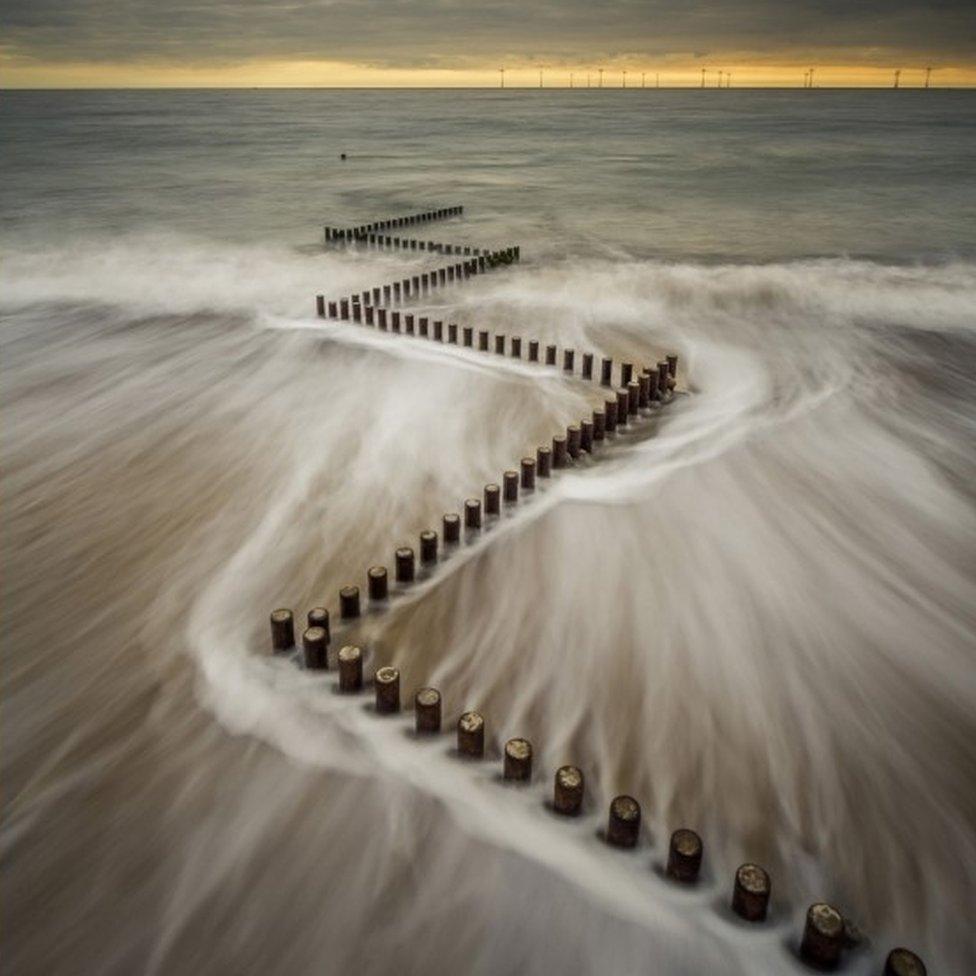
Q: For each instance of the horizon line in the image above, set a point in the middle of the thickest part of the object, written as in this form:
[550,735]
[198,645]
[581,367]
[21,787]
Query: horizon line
[496,88]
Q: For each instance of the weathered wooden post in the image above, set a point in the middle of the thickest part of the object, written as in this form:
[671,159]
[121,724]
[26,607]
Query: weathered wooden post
[543,457]
[518,760]
[750,894]
[492,500]
[282,630]
[378,584]
[348,602]
[387,683]
[823,936]
[510,486]
[451,528]
[471,735]
[350,668]
[315,647]
[405,565]
[623,825]
[684,856]
[568,791]
[428,547]
[904,962]
[427,711]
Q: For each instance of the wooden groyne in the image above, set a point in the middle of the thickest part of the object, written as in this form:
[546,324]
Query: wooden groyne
[636,396]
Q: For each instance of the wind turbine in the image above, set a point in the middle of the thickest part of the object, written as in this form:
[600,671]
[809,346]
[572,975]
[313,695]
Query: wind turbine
[643,76]
[897,76]
[501,72]
[571,79]
[728,79]
[703,78]
[928,75]
[719,85]
[601,77]
[811,79]
[624,85]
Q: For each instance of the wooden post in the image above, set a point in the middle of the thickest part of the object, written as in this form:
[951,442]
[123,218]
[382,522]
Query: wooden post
[559,451]
[623,825]
[568,791]
[586,435]
[633,397]
[427,711]
[348,602]
[405,564]
[518,760]
[528,473]
[315,646]
[428,546]
[471,735]
[472,514]
[750,894]
[904,962]
[543,458]
[350,668]
[643,390]
[282,630]
[574,439]
[510,486]
[387,683]
[684,856]
[823,936]
[599,425]
[378,584]
[492,500]
[452,528]
[623,405]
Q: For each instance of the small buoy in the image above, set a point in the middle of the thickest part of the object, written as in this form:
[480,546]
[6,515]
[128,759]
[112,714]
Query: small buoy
[342,155]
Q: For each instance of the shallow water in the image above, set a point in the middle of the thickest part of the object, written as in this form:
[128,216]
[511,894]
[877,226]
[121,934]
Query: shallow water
[755,615]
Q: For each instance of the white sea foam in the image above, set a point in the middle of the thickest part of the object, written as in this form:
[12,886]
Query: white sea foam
[757,619]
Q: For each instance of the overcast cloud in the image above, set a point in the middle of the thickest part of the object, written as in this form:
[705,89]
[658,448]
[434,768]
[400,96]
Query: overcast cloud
[467,34]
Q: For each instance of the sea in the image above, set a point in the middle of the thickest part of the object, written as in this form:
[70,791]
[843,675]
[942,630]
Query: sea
[753,610]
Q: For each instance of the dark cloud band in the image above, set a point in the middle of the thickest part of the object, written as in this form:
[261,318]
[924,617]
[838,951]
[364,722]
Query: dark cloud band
[456,34]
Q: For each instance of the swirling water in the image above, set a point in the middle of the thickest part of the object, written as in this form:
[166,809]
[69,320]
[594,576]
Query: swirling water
[758,619]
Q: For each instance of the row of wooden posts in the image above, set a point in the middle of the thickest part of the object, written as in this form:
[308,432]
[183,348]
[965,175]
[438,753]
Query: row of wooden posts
[826,935]
[341,234]
[369,306]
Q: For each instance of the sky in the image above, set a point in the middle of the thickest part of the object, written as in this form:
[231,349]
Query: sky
[160,43]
